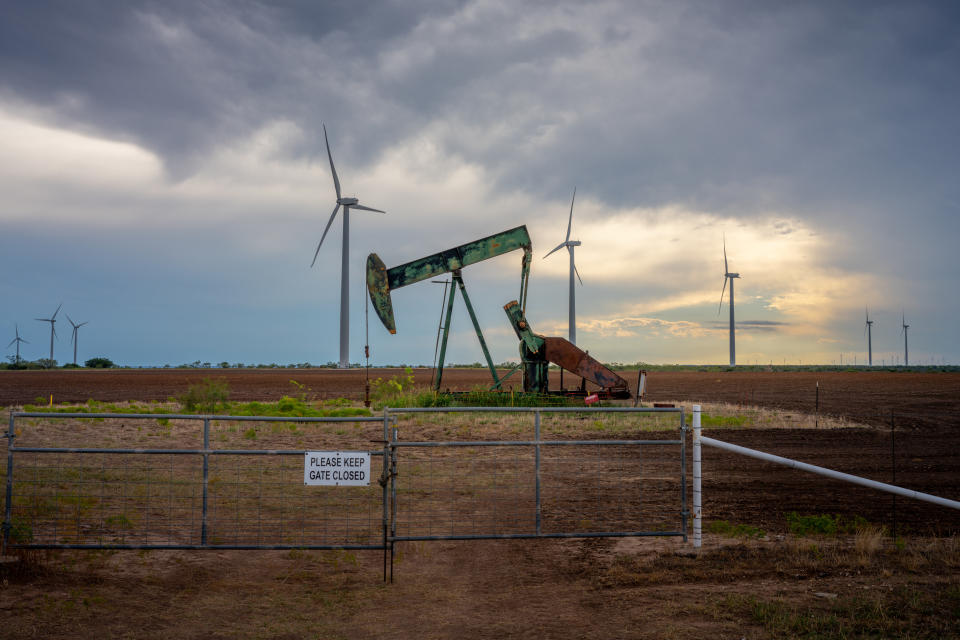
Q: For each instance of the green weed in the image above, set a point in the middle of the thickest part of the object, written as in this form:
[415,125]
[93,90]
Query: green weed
[724,528]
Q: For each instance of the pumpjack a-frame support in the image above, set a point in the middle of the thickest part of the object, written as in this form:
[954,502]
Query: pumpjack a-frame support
[458,284]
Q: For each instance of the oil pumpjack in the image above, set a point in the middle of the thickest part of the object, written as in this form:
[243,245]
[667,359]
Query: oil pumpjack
[537,352]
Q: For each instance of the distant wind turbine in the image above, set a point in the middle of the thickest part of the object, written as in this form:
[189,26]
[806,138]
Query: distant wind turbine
[570,244]
[53,332]
[731,277]
[903,330]
[73,338]
[17,341]
[347,204]
[868,329]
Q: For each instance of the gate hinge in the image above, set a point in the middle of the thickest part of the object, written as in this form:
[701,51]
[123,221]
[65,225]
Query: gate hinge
[385,477]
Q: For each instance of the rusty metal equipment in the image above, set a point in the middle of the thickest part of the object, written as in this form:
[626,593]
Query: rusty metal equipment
[537,352]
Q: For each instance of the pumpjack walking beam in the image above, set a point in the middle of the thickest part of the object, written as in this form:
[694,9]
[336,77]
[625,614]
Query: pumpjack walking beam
[382,281]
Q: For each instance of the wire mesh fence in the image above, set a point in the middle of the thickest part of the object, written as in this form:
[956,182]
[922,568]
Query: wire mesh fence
[555,479]
[229,482]
[139,481]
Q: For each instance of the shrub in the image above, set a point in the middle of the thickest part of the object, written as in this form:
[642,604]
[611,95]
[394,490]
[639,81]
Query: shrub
[206,396]
[824,524]
[730,530]
[99,363]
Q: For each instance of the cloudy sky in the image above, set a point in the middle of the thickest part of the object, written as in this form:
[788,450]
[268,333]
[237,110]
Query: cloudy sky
[164,176]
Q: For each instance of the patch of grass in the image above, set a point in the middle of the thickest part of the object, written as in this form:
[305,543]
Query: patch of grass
[824,524]
[724,528]
[906,611]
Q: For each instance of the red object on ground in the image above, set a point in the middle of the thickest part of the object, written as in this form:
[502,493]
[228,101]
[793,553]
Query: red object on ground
[591,399]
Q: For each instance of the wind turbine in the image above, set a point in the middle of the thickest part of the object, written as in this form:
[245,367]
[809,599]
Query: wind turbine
[17,340]
[731,277]
[906,352]
[53,332]
[570,244]
[73,338]
[347,204]
[868,329]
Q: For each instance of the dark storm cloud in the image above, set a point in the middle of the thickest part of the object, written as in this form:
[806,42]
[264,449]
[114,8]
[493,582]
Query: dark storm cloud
[742,107]
[841,113]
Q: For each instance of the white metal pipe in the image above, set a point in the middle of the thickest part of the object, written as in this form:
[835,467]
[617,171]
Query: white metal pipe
[830,473]
[697,496]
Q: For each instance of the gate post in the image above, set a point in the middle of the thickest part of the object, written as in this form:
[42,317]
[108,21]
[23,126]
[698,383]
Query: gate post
[697,496]
[8,512]
[384,482]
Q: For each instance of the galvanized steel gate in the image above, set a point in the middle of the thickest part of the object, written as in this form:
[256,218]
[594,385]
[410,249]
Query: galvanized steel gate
[147,489]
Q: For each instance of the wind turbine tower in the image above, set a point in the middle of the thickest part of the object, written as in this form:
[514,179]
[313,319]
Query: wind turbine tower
[868,329]
[73,338]
[570,244]
[347,204]
[53,332]
[728,276]
[17,341]
[906,351]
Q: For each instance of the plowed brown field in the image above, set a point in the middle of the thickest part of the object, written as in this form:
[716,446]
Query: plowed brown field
[565,589]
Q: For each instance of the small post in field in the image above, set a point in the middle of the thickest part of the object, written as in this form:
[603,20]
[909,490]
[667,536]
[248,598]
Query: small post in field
[816,419]
[697,497]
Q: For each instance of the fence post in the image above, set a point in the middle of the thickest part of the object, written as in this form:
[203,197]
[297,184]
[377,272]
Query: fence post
[536,437]
[893,469]
[697,496]
[206,480]
[816,420]
[8,512]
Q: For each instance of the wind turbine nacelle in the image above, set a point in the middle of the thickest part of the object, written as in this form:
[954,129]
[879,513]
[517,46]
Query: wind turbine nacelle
[378,285]
[348,202]
[573,243]
[732,275]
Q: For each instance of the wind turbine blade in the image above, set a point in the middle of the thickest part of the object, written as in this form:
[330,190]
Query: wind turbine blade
[329,222]
[360,206]
[726,269]
[559,246]
[578,275]
[54,316]
[12,342]
[70,320]
[333,170]
[570,220]
[83,323]
[720,306]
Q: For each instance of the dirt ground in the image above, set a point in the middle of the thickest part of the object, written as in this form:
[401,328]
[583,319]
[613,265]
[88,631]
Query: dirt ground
[776,586]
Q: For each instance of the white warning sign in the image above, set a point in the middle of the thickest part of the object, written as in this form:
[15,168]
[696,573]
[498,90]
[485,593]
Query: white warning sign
[336,468]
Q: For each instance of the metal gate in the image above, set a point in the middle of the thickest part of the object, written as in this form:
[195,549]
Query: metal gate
[156,481]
